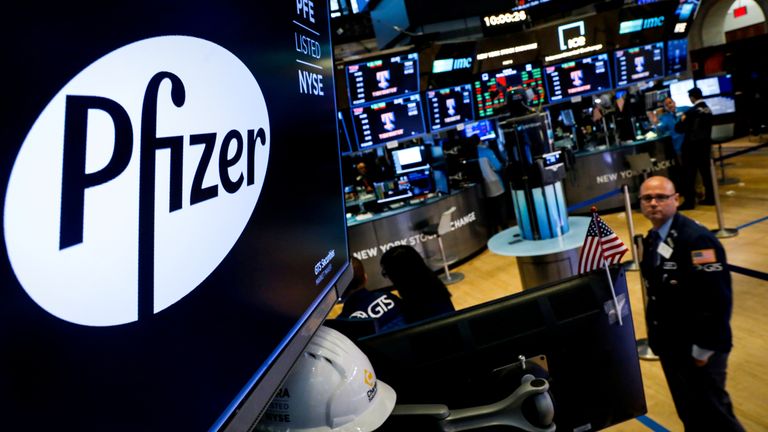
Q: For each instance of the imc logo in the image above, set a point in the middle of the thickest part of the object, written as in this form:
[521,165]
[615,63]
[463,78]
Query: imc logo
[136,180]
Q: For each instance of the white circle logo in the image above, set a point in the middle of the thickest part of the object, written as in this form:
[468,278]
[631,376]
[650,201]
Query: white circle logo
[136,180]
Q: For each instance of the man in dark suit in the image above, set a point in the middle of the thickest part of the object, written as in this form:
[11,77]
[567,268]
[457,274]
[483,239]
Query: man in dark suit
[696,125]
[688,312]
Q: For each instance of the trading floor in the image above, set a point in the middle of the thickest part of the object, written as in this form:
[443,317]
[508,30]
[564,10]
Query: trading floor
[490,276]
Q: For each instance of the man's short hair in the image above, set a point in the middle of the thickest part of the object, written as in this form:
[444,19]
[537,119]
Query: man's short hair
[695,93]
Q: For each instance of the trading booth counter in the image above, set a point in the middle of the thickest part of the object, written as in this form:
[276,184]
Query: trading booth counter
[369,238]
[604,170]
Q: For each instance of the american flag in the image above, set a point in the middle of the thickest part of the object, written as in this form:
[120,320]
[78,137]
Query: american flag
[600,246]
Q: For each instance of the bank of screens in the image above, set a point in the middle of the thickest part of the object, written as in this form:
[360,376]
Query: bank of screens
[491,88]
[382,78]
[484,128]
[677,56]
[449,106]
[390,120]
[718,94]
[678,91]
[579,77]
[639,63]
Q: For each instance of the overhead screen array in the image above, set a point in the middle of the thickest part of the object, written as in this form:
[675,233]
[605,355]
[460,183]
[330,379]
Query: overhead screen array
[564,61]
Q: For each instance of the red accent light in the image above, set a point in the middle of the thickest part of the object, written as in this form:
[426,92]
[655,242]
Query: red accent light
[739,11]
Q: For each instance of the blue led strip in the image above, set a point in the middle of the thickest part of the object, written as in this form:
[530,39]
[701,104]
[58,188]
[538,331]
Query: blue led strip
[521,211]
[541,213]
[652,425]
[555,222]
[561,206]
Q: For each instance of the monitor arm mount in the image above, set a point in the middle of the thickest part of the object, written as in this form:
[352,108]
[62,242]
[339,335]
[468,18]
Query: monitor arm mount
[514,410]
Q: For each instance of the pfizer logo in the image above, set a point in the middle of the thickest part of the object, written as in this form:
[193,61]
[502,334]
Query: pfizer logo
[136,180]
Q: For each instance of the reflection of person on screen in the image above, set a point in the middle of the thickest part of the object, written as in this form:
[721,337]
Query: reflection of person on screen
[362,180]
[424,294]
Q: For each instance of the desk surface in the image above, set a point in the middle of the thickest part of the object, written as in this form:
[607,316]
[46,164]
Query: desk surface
[511,243]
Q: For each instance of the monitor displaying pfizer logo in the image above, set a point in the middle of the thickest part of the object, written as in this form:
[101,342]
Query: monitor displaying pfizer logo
[171,210]
[167,166]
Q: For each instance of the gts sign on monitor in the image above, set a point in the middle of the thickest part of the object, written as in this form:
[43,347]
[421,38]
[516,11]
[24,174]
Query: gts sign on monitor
[134,183]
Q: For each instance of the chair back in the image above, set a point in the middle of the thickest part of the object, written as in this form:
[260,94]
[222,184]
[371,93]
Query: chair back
[445,221]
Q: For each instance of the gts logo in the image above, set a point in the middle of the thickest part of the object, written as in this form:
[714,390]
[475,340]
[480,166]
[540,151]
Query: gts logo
[136,180]
[714,267]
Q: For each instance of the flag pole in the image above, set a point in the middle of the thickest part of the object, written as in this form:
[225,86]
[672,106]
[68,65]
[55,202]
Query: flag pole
[605,265]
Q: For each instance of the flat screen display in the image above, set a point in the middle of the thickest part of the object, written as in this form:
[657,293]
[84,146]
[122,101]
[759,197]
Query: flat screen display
[154,274]
[677,56]
[393,190]
[483,128]
[382,78]
[408,159]
[678,91]
[491,88]
[716,85]
[579,77]
[386,121]
[721,104]
[449,106]
[406,185]
[641,63]
[684,15]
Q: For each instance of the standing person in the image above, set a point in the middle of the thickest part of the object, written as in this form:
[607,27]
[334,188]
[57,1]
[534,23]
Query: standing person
[493,185]
[666,121]
[696,125]
[424,294]
[360,303]
[689,309]
[665,125]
